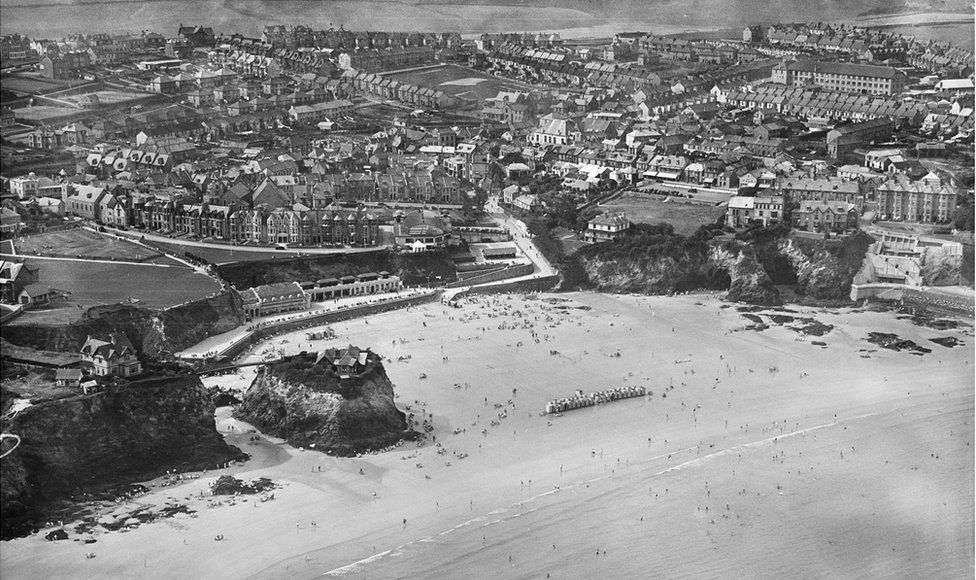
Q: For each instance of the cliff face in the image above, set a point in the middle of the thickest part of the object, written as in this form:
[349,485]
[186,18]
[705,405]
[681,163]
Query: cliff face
[720,269]
[749,281]
[940,268]
[90,442]
[338,416]
[151,332]
[826,273]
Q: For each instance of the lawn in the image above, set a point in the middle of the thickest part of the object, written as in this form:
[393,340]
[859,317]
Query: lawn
[686,218]
[459,81]
[95,283]
[80,243]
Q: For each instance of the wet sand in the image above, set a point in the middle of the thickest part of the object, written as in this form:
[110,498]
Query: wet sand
[769,457]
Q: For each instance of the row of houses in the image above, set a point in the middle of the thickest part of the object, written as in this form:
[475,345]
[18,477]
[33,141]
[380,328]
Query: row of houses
[374,60]
[256,58]
[397,184]
[304,227]
[388,88]
[835,204]
[295,224]
[292,37]
[684,50]
[813,103]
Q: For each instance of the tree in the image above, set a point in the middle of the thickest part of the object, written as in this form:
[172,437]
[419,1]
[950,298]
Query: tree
[963,216]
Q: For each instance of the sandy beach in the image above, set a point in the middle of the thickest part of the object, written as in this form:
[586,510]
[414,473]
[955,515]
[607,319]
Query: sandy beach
[758,454]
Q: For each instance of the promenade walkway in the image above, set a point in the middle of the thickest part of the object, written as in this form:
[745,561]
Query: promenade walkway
[217,345]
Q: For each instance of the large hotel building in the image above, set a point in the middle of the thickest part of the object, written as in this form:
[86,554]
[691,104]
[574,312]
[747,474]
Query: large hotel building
[840,76]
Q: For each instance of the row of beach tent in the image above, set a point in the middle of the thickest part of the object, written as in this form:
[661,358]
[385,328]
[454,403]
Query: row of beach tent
[580,400]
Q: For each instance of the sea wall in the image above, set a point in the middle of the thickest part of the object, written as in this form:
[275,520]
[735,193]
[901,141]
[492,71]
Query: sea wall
[257,335]
[513,271]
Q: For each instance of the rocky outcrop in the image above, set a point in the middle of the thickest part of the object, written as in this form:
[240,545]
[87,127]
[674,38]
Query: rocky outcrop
[152,332]
[309,404]
[940,268]
[85,443]
[732,268]
[826,272]
[749,282]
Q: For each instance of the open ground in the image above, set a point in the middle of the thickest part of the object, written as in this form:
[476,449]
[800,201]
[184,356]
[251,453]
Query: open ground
[79,242]
[759,454]
[106,97]
[95,283]
[649,209]
[459,81]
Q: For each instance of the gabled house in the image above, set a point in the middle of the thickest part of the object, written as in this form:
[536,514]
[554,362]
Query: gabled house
[115,356]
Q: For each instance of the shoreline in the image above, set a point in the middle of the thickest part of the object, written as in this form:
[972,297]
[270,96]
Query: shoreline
[710,416]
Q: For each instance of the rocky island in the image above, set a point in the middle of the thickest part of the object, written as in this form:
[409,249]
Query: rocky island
[338,401]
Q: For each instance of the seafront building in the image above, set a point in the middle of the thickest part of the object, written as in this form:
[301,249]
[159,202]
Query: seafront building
[268,299]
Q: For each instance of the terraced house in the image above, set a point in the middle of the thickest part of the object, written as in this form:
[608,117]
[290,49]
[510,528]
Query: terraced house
[825,189]
[354,227]
[926,200]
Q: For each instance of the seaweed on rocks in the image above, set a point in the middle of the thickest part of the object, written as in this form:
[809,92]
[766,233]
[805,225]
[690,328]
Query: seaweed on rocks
[893,342]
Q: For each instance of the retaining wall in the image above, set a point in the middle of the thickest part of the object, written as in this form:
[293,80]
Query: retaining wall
[495,276]
[919,296]
[264,332]
[545,284]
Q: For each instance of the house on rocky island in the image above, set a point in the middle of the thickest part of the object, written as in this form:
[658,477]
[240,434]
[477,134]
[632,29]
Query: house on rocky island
[346,361]
[115,356]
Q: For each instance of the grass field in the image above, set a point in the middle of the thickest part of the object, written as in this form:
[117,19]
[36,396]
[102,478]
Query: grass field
[41,112]
[459,81]
[105,97]
[79,243]
[685,218]
[96,283]
[34,85]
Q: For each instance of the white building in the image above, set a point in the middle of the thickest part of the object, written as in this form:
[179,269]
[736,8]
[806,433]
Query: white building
[746,211]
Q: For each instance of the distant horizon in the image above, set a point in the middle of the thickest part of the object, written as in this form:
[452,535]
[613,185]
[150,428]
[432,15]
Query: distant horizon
[570,18]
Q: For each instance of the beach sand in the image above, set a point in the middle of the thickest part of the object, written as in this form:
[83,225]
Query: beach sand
[770,456]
